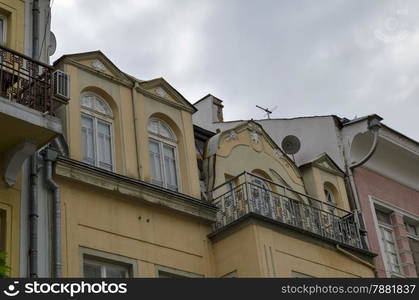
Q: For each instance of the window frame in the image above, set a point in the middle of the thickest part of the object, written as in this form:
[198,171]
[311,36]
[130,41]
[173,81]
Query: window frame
[104,266]
[3,230]
[389,227]
[331,205]
[409,234]
[99,257]
[98,117]
[4,18]
[175,273]
[161,141]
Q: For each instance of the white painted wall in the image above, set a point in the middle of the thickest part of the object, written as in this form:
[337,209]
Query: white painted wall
[396,157]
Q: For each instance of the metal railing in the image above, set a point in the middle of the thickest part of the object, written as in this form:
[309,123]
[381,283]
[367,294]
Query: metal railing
[25,81]
[248,193]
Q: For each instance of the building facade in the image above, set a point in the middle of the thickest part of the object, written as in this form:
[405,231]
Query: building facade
[142,195]
[27,123]
[378,167]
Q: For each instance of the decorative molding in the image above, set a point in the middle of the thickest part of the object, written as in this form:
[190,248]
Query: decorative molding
[232,136]
[135,189]
[98,65]
[76,64]
[14,160]
[164,100]
[254,136]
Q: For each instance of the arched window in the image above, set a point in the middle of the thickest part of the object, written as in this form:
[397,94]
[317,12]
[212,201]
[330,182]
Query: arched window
[261,194]
[163,155]
[330,199]
[96,131]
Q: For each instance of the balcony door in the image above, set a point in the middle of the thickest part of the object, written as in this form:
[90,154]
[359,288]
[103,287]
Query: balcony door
[261,196]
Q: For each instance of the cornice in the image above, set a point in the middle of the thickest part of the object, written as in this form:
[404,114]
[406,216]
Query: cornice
[164,101]
[135,189]
[70,61]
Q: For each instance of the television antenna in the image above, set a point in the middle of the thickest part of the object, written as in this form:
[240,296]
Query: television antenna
[267,110]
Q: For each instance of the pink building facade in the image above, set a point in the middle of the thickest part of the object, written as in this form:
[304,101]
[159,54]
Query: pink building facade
[390,211]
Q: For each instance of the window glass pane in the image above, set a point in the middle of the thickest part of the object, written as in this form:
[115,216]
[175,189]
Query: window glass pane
[153,126]
[2,33]
[87,139]
[411,229]
[414,247]
[388,235]
[164,131]
[2,230]
[390,250]
[116,272]
[383,217]
[155,163]
[170,167]
[104,145]
[91,270]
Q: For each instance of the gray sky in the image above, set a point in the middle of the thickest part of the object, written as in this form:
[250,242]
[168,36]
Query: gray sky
[348,58]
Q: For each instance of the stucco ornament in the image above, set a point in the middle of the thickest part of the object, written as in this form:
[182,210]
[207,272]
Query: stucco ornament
[98,65]
[232,136]
[161,92]
[255,137]
[278,153]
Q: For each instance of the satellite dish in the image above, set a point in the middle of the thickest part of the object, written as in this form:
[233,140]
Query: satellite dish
[52,47]
[291,144]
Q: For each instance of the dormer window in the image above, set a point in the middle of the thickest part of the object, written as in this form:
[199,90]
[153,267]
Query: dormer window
[163,155]
[96,131]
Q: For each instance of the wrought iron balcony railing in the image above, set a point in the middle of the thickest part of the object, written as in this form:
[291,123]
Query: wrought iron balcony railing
[248,193]
[25,81]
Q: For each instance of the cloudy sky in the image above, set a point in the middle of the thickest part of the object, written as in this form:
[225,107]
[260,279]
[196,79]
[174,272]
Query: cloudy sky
[343,57]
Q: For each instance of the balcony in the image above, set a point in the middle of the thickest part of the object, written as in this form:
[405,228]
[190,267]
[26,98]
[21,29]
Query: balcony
[27,109]
[25,81]
[248,193]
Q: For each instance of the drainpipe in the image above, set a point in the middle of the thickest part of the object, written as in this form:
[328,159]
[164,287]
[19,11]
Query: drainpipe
[33,173]
[35,29]
[374,126]
[50,156]
[33,217]
[136,127]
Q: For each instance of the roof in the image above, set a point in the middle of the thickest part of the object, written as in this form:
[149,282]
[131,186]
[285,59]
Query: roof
[208,95]
[126,75]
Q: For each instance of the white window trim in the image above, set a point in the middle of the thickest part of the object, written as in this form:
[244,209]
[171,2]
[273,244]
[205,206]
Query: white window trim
[4,18]
[103,118]
[90,254]
[374,202]
[160,140]
[385,258]
[176,272]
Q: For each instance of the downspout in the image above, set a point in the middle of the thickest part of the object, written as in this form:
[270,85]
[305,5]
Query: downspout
[35,29]
[33,217]
[50,156]
[374,126]
[136,127]
[33,173]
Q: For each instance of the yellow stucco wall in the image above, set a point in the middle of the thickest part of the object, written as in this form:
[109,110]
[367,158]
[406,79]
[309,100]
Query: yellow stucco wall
[10,206]
[260,251]
[149,235]
[14,11]
[131,156]
[234,156]
[316,179]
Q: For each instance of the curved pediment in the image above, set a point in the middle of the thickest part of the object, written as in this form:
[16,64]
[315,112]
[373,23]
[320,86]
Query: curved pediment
[246,147]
